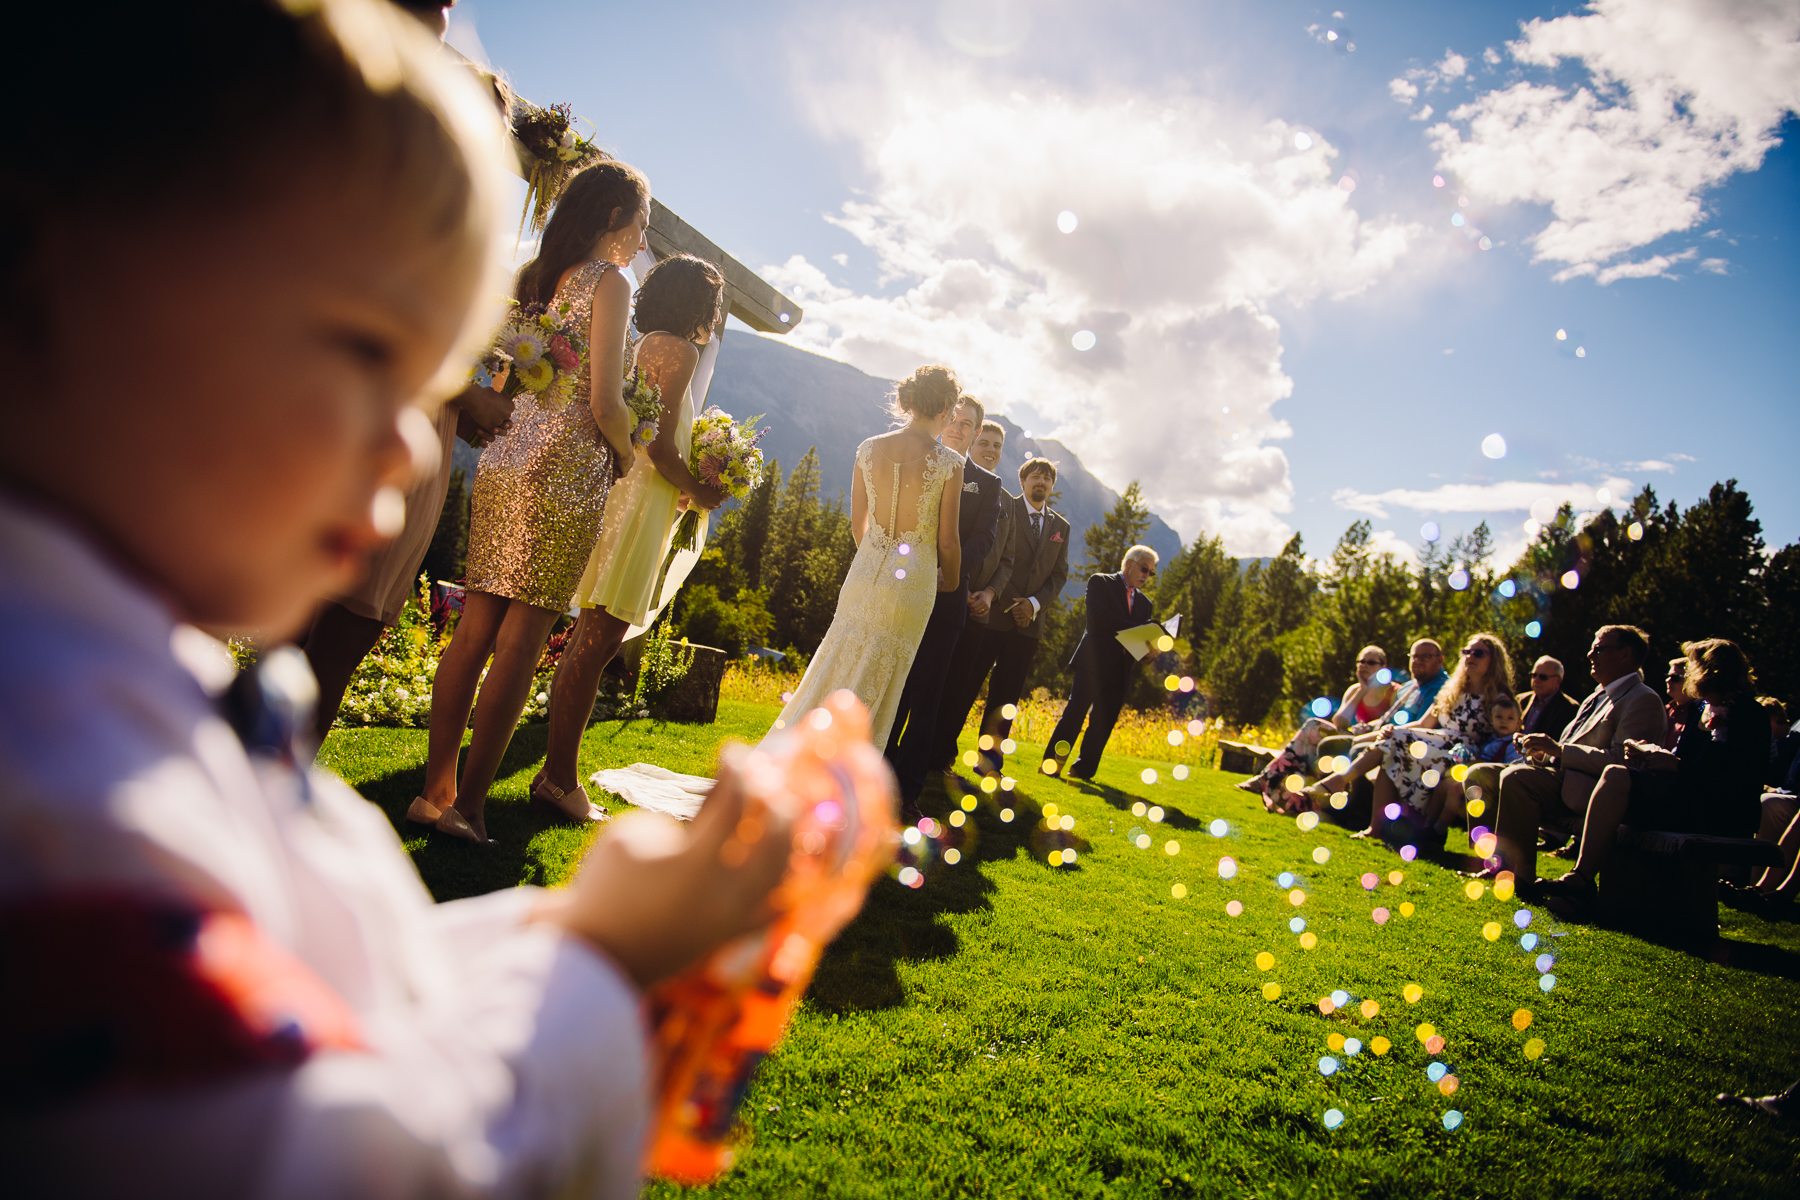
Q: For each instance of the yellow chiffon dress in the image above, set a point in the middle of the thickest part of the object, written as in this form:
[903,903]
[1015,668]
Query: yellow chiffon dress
[626,564]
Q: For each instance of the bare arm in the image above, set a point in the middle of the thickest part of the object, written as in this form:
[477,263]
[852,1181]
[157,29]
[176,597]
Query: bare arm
[1347,710]
[950,534]
[859,504]
[669,362]
[606,359]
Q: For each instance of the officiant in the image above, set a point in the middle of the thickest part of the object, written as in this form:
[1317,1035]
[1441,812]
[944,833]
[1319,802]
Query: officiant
[1102,665]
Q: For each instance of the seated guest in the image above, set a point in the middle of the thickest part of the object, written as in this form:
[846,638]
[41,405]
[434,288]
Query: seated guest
[1784,743]
[1552,788]
[1774,889]
[1547,708]
[1410,706]
[1365,702]
[1102,665]
[1446,806]
[1415,759]
[1708,784]
[1683,708]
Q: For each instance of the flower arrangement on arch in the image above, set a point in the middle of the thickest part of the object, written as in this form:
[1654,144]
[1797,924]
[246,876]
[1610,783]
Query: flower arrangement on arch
[551,153]
[725,455]
[536,352]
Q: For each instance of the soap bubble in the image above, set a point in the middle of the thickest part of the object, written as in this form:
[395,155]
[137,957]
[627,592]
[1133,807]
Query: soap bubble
[1431,531]
[1148,775]
[1534,629]
[1179,891]
[1381,916]
[1547,982]
[1218,828]
[1333,1118]
[1308,940]
[1370,881]
[1176,737]
[1534,1047]
[1380,1045]
[1493,446]
[1179,772]
[1155,814]
[1452,1119]
[1458,580]
[1302,140]
[1369,1008]
[1436,1071]
[1408,853]
[1545,963]
[1271,990]
[1171,848]
[1309,821]
[1521,1019]
[1491,931]
[1508,588]
[1234,908]
[1328,1065]
[1265,961]
[1083,340]
[1529,941]
[1321,707]
[1320,854]
[1522,918]
[1067,221]
[1406,909]
[1392,811]
[1396,878]
[1297,925]
[1285,879]
[1384,676]
[1296,897]
[1413,993]
[1339,998]
[1228,869]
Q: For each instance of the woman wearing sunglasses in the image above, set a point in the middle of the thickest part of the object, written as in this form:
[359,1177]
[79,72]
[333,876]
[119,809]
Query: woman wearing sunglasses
[1416,759]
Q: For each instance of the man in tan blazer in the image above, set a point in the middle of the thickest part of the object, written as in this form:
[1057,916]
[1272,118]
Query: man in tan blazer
[1553,789]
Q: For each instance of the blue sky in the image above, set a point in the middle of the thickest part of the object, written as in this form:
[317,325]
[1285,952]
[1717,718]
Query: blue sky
[1288,331]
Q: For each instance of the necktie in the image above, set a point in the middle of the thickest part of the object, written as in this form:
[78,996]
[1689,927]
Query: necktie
[1037,526]
[1130,598]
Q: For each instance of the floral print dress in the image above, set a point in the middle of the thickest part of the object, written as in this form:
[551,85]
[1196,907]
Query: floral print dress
[1410,754]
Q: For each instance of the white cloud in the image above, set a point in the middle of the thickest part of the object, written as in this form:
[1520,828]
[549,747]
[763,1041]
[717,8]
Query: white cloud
[1682,94]
[1424,114]
[1453,66]
[1715,266]
[1651,464]
[1509,496]
[1491,57]
[1403,91]
[1195,221]
[1655,266]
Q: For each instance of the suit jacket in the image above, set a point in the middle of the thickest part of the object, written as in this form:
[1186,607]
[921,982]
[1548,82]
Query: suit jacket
[1040,568]
[1595,738]
[1559,710]
[995,570]
[978,516]
[1108,613]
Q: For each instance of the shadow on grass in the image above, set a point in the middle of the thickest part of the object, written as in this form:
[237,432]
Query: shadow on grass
[1174,818]
[454,869]
[859,971]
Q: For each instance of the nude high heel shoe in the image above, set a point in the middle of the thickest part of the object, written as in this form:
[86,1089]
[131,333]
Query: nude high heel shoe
[572,805]
[453,823]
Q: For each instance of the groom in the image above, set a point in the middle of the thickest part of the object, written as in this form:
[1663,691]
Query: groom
[1102,665]
[909,743]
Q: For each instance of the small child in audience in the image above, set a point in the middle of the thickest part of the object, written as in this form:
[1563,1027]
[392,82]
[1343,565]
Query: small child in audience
[224,976]
[1446,806]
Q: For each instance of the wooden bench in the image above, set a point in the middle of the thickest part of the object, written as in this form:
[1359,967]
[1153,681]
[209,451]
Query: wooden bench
[1241,758]
[1671,880]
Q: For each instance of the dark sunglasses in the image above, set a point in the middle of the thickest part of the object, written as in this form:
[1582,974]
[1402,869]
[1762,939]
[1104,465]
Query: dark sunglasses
[1370,662]
[1540,676]
[1475,652]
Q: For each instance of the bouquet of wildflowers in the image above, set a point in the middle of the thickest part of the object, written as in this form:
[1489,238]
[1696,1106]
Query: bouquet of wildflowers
[536,352]
[725,456]
[644,399]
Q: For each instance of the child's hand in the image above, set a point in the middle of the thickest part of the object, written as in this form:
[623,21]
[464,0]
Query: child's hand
[656,897]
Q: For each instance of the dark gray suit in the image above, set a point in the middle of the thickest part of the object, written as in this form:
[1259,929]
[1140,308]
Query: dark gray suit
[1038,567]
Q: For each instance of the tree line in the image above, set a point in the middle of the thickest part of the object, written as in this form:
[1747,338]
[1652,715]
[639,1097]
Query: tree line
[1262,638]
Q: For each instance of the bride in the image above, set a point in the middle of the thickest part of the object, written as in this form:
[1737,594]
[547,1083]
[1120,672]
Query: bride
[903,514]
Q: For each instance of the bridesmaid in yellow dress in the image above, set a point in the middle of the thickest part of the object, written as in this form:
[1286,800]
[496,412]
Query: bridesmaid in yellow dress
[677,310]
[539,495]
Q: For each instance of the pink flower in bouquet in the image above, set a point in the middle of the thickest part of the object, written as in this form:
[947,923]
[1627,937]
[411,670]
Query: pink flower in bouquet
[711,467]
[563,354]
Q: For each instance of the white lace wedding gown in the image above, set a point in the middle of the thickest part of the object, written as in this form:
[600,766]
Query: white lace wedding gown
[881,614]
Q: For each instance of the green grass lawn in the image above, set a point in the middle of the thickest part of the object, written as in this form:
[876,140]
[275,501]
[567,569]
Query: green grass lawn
[1015,1029]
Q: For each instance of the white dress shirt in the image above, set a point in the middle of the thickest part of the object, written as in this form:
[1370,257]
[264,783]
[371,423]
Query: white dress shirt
[502,1058]
[1038,511]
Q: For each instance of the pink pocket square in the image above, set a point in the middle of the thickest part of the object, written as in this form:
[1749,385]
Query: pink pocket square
[1056,537]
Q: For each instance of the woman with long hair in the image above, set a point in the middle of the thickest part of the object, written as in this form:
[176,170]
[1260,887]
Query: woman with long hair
[677,310]
[1415,758]
[539,495]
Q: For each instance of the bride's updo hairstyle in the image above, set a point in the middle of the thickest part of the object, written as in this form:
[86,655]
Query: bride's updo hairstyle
[681,295]
[600,200]
[928,392]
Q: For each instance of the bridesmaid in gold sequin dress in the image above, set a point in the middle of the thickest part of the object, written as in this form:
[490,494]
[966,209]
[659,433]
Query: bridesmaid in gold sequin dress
[539,495]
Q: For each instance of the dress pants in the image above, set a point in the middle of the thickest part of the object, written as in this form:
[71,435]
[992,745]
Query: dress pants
[980,649]
[915,720]
[1531,797]
[1097,697]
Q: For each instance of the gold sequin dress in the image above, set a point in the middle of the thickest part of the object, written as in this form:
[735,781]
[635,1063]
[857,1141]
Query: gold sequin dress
[540,489]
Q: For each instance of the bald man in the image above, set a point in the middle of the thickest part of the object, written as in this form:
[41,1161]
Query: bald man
[1547,707]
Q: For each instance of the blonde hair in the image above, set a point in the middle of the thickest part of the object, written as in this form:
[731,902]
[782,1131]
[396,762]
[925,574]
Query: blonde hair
[236,101]
[1499,677]
[928,392]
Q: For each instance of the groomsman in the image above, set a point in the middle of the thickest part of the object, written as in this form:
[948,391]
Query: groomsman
[1102,665]
[909,742]
[1007,616]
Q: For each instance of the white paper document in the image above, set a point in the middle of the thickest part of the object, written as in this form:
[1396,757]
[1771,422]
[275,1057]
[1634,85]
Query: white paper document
[1141,640]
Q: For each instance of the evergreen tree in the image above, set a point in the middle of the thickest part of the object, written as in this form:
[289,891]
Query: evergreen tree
[791,538]
[449,549]
[758,514]
[1123,527]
